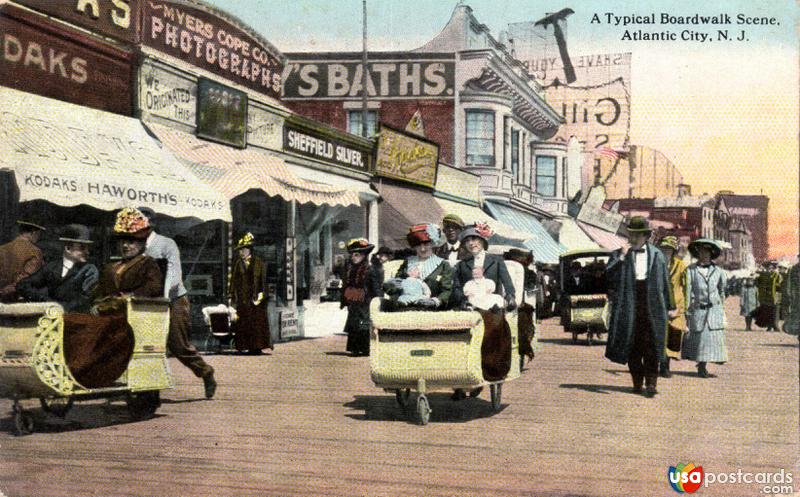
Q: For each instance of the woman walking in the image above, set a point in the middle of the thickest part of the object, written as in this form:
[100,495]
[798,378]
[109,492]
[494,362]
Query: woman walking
[247,294]
[705,296]
[362,283]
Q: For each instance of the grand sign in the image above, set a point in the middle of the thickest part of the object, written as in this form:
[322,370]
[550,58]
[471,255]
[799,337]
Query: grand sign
[390,76]
[212,43]
[35,58]
[407,158]
[117,19]
[311,143]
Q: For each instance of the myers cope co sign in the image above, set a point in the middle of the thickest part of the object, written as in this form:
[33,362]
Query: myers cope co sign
[339,76]
[207,41]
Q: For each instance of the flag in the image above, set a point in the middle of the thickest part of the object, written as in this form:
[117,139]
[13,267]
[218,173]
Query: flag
[611,153]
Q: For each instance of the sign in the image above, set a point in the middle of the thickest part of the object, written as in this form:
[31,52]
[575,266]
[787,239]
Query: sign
[407,158]
[264,127]
[340,76]
[593,213]
[289,324]
[116,19]
[210,42]
[166,94]
[221,113]
[589,69]
[35,60]
[290,269]
[314,144]
[599,116]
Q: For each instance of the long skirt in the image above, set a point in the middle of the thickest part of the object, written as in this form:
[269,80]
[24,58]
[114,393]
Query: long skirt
[705,345]
[357,329]
[97,349]
[252,328]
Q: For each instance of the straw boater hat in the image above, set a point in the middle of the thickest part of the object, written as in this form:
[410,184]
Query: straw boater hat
[454,220]
[715,247]
[669,242]
[75,233]
[29,226]
[479,230]
[359,245]
[639,224]
[131,223]
[245,241]
[424,233]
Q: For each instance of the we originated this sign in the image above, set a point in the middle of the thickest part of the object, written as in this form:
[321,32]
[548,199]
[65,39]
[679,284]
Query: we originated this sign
[340,76]
[214,44]
[406,158]
[166,94]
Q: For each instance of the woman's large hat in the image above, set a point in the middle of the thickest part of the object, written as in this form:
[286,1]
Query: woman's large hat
[713,245]
[245,241]
[669,242]
[359,245]
[131,223]
[479,230]
[639,224]
[424,233]
[75,233]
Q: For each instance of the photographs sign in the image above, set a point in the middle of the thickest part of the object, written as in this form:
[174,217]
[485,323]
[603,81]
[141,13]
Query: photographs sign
[407,158]
[212,43]
[221,113]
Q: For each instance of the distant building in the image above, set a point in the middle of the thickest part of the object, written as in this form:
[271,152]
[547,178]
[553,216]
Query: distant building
[754,211]
[642,173]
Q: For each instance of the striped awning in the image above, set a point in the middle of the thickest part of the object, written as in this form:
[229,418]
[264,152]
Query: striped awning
[604,238]
[234,171]
[544,248]
[503,233]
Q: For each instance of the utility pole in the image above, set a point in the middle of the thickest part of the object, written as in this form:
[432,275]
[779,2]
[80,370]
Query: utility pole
[364,110]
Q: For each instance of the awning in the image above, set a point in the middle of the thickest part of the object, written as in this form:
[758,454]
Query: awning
[573,237]
[401,208]
[503,233]
[71,155]
[233,171]
[361,187]
[604,238]
[544,248]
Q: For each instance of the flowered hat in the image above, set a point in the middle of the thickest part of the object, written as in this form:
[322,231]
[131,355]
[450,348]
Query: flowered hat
[713,245]
[245,241]
[359,245]
[424,233]
[453,219]
[480,230]
[669,242]
[131,223]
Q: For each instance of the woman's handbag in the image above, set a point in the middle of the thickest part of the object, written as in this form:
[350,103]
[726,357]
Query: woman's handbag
[674,338]
[354,295]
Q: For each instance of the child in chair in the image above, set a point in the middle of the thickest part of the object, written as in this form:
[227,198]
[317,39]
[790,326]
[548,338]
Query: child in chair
[480,291]
[414,289]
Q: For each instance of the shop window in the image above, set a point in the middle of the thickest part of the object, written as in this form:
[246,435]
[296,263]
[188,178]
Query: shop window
[515,155]
[355,118]
[480,138]
[546,175]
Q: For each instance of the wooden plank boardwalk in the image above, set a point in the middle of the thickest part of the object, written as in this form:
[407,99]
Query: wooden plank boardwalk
[307,421]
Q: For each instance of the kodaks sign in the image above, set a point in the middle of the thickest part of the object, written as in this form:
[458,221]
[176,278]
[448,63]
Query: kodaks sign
[213,44]
[340,76]
[312,144]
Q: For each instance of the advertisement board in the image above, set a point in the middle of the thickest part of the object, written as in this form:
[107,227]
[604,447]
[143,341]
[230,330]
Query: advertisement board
[221,113]
[406,157]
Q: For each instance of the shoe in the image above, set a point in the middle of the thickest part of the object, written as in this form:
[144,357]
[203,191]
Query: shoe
[210,385]
[458,394]
[637,389]
[665,373]
[702,372]
[650,392]
[475,392]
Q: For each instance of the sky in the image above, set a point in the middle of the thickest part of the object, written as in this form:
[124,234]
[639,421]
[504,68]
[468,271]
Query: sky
[725,113]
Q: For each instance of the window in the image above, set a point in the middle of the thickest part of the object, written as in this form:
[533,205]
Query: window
[354,122]
[480,138]
[515,155]
[564,165]
[546,175]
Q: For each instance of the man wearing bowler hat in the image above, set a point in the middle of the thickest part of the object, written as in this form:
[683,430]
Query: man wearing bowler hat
[69,280]
[639,295]
[452,250]
[19,259]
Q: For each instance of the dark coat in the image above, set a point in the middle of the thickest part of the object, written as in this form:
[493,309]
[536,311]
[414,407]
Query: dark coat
[74,291]
[19,259]
[139,276]
[252,327]
[494,268]
[361,284]
[440,281]
[621,275]
[443,251]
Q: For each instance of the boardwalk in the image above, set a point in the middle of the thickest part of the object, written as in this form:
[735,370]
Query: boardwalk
[308,422]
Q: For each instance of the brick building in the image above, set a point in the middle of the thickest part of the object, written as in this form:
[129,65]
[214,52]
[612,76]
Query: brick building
[754,211]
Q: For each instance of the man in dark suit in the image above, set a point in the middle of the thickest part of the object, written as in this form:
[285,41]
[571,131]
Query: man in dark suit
[452,250]
[70,280]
